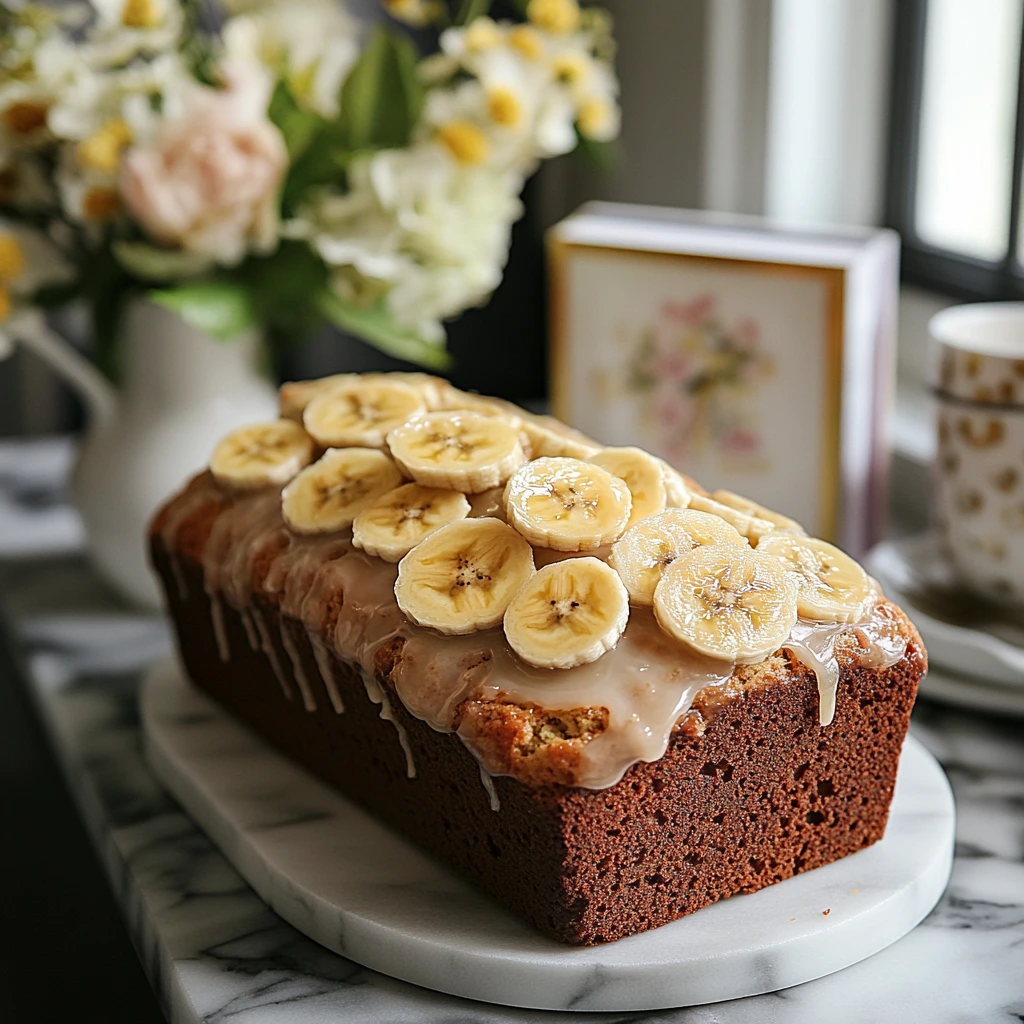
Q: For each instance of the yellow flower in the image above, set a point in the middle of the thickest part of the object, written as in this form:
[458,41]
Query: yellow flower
[24,117]
[100,204]
[482,34]
[571,68]
[596,117]
[556,16]
[464,141]
[504,107]
[12,259]
[102,150]
[142,13]
[5,303]
[526,41]
[412,12]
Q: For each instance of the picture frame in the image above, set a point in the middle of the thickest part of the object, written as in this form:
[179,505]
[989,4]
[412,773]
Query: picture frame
[755,359]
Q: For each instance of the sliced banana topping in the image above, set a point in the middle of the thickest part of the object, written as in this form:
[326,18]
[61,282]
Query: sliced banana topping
[454,400]
[462,451]
[647,549]
[397,521]
[569,613]
[752,527]
[567,504]
[361,414]
[294,395]
[643,476]
[548,438]
[678,488]
[463,576]
[832,587]
[727,602]
[262,454]
[328,495]
[751,508]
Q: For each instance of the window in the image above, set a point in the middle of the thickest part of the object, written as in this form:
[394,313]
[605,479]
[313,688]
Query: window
[957,145]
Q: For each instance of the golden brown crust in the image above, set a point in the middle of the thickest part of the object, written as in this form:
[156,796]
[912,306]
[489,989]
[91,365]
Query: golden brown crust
[536,746]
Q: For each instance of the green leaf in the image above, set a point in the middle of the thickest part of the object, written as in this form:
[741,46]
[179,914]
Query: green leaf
[151,263]
[382,96]
[375,325]
[606,156]
[471,10]
[297,126]
[222,308]
[284,287]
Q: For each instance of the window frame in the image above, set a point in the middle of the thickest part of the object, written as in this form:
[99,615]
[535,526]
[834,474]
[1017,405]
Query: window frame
[956,274]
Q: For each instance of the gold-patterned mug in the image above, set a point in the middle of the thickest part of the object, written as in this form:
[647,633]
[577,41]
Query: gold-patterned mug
[978,355]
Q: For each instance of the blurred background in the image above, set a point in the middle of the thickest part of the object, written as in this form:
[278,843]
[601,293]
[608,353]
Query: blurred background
[865,112]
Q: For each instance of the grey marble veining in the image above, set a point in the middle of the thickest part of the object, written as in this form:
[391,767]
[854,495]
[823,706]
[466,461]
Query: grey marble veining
[215,952]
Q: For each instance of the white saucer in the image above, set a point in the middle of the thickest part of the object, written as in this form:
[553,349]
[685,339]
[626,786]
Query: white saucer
[351,884]
[905,568]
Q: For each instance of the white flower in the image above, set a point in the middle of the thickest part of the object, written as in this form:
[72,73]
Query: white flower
[28,261]
[125,28]
[429,233]
[310,44]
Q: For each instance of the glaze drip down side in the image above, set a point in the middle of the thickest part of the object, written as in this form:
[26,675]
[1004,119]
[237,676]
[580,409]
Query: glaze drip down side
[345,600]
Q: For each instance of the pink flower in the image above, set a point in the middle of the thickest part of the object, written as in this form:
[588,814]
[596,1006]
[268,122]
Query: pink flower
[746,332]
[689,313]
[740,441]
[208,181]
[673,365]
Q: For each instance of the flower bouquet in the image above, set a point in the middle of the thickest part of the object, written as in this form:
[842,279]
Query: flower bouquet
[280,164]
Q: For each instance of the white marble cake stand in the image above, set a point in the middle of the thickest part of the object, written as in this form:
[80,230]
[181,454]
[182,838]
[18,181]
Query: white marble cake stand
[356,887]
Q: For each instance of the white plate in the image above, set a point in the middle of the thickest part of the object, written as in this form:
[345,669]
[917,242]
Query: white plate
[906,568]
[353,885]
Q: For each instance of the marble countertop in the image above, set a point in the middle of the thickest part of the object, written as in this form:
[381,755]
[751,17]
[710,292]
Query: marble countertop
[214,952]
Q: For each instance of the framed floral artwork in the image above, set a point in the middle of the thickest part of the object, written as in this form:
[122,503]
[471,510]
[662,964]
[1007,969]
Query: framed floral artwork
[752,359]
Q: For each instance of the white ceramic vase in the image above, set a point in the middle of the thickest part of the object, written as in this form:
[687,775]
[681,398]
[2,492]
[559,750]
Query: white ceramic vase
[181,390]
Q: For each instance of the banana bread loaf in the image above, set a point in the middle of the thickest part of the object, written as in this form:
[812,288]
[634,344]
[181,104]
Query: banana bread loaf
[604,696]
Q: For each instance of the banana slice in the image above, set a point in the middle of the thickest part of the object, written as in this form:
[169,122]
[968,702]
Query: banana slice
[463,576]
[294,396]
[752,527]
[751,508]
[262,454]
[548,441]
[462,451]
[328,495]
[678,488]
[567,504]
[397,521]
[832,587]
[454,400]
[647,549]
[727,602]
[361,414]
[642,474]
[568,613]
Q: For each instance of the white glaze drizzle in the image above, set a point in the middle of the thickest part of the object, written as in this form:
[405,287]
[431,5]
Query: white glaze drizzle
[377,695]
[267,646]
[646,683]
[250,630]
[298,669]
[814,644]
[323,663]
[492,791]
[219,628]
